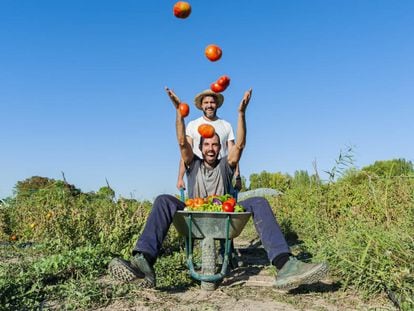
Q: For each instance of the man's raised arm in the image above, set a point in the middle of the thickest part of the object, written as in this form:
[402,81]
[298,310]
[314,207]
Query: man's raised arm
[236,152]
[185,148]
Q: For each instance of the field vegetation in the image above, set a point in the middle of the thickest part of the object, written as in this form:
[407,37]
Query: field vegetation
[56,241]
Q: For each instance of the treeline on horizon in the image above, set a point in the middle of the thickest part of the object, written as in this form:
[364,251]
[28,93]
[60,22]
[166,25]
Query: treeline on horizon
[342,171]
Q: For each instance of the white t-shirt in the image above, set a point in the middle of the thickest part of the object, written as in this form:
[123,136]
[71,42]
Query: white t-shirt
[222,128]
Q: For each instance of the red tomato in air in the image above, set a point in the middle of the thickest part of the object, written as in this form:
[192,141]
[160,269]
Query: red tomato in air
[227,207]
[184,109]
[213,52]
[182,9]
[206,130]
[224,81]
[217,88]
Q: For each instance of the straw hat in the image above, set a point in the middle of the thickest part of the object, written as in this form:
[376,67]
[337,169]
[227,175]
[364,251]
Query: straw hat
[199,98]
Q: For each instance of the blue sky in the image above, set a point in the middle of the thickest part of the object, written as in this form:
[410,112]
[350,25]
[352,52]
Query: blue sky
[82,85]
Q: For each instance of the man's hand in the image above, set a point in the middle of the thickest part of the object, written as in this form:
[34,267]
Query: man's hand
[245,101]
[180,184]
[174,98]
[235,153]
[238,184]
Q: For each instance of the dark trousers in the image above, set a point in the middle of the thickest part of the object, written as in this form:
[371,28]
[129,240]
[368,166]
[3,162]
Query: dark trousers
[165,206]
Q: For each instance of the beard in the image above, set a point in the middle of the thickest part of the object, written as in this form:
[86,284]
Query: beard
[210,159]
[210,114]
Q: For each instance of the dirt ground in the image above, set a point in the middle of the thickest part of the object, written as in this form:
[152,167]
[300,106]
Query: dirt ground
[249,287]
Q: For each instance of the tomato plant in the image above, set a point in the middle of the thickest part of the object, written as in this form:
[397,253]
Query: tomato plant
[182,9]
[184,109]
[213,52]
[206,130]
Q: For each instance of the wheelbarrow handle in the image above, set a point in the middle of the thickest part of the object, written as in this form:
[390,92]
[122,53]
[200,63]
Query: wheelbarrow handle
[182,195]
[236,194]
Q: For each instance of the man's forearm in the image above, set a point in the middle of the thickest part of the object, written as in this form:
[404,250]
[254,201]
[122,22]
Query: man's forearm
[181,169]
[241,131]
[235,153]
[237,170]
[185,147]
[180,130]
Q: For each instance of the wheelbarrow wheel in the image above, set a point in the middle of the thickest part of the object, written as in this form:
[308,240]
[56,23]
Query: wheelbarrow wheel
[208,258]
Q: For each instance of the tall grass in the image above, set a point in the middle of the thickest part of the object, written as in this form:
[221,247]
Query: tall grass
[64,240]
[363,227]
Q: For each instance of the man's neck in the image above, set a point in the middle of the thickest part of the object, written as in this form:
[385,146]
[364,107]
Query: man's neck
[210,166]
[210,119]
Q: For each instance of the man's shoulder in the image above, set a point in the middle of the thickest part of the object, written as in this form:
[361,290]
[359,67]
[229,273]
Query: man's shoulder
[221,120]
[224,124]
[195,164]
[195,122]
[199,119]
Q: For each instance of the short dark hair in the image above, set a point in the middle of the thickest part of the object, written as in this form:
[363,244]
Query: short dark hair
[202,140]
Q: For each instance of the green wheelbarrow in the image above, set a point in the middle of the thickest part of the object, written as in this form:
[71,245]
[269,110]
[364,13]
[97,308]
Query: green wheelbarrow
[208,227]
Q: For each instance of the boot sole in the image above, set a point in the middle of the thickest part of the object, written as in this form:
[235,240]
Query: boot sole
[120,270]
[313,276]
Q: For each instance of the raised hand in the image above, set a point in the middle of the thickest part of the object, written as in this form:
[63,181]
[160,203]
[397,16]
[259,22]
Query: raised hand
[174,98]
[245,101]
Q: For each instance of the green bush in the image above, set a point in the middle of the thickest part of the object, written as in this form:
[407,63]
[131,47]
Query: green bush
[364,230]
[56,217]
[362,224]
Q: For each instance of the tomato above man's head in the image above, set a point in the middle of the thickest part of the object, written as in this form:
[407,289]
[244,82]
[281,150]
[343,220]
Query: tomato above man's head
[206,130]
[224,81]
[182,9]
[184,109]
[215,87]
[213,52]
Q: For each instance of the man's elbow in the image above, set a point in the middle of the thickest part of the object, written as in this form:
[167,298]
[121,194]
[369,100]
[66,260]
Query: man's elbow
[233,162]
[240,146]
[182,143]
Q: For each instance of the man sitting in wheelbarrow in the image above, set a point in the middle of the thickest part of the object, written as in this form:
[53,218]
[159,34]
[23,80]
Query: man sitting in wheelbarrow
[207,176]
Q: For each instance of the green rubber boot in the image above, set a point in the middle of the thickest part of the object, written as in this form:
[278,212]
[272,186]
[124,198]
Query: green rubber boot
[295,273]
[122,270]
[138,262]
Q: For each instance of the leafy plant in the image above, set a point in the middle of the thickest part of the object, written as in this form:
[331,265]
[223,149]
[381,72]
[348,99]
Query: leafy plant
[361,222]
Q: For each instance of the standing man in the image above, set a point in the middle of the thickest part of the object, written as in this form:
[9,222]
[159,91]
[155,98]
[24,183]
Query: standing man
[208,102]
[213,175]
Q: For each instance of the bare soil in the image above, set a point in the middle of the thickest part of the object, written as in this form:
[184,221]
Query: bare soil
[249,287]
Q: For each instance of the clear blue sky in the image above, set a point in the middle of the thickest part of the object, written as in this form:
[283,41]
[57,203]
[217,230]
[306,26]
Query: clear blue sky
[82,85]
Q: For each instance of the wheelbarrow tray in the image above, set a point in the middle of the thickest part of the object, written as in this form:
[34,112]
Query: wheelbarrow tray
[210,224]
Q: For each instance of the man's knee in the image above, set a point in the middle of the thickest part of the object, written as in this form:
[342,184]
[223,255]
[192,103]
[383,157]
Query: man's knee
[167,202]
[253,203]
[162,198]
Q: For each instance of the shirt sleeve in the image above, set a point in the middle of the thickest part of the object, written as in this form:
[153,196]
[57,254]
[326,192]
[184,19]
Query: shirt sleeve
[189,129]
[231,133]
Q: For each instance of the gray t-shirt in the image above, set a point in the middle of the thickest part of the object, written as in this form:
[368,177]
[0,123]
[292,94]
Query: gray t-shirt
[203,181]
